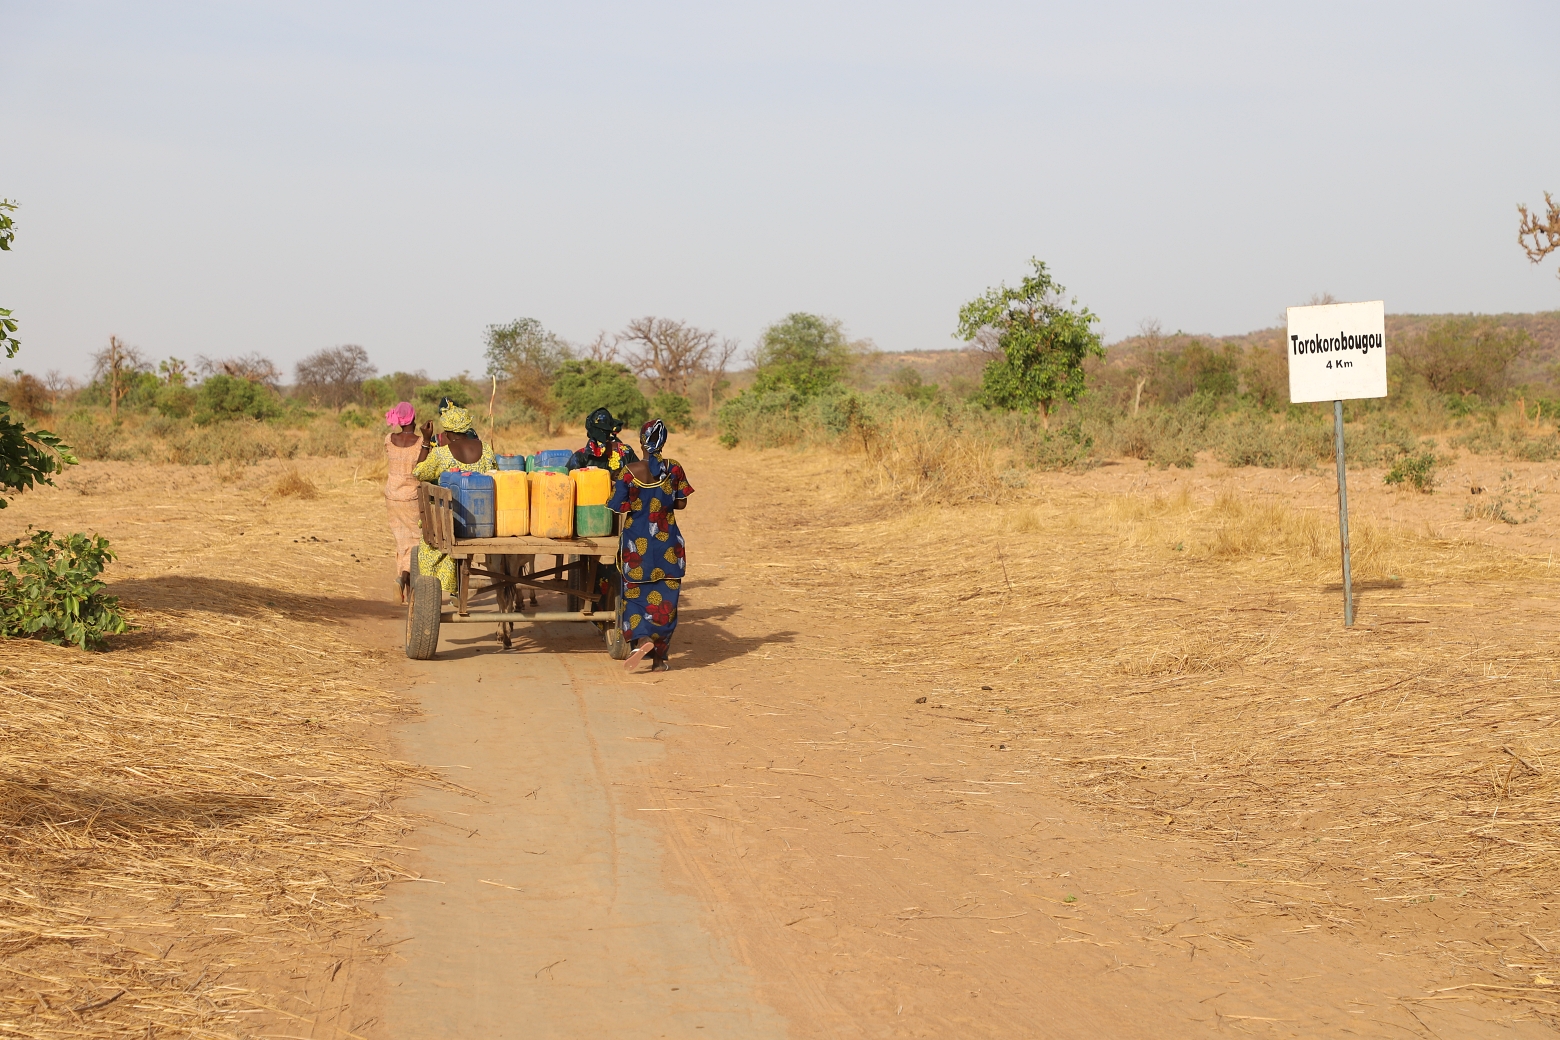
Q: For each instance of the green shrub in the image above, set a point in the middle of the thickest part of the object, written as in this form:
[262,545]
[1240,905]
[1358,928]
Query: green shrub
[355,417]
[806,353]
[1250,440]
[175,401]
[49,590]
[1415,470]
[1489,439]
[224,398]
[1066,447]
[580,387]
[384,392]
[762,419]
[1163,437]
[426,397]
[675,410]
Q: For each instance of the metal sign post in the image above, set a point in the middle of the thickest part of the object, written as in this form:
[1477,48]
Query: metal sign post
[1337,352]
[1343,519]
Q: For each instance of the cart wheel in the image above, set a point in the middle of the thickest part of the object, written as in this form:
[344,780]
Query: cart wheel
[576,581]
[617,648]
[422,617]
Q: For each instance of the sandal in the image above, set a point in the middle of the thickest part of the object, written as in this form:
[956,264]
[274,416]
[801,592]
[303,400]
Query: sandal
[638,655]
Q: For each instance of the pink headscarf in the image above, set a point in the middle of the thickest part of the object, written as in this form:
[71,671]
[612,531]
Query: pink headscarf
[401,414]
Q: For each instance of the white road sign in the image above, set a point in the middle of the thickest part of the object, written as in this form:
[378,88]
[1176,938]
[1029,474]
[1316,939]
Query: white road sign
[1337,352]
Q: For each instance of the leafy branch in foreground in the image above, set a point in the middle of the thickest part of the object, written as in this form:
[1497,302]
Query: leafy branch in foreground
[7,323]
[28,457]
[54,592]
[49,587]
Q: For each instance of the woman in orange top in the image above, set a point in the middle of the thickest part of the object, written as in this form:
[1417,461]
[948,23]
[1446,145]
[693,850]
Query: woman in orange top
[404,449]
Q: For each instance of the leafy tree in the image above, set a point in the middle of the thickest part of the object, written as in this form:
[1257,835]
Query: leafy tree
[907,381]
[427,396]
[385,391]
[335,375]
[807,353]
[524,345]
[583,386]
[224,397]
[1039,345]
[1466,355]
[675,410]
[526,357]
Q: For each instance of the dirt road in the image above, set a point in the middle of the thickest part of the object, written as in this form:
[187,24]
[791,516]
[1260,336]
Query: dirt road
[782,837]
[547,912]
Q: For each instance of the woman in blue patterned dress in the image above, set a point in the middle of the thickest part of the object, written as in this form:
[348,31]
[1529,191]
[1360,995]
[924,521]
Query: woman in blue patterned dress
[650,553]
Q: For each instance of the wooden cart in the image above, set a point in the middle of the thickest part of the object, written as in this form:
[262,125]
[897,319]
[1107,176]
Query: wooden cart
[508,571]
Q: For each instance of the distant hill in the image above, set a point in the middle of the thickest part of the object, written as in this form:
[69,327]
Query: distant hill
[1543,326]
[961,367]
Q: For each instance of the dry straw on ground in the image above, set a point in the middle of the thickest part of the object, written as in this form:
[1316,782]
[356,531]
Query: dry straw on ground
[294,483]
[199,818]
[1178,662]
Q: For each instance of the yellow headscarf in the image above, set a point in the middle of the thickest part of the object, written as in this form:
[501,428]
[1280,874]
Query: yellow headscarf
[454,419]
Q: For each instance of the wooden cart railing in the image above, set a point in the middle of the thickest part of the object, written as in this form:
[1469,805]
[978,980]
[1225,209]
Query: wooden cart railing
[509,565]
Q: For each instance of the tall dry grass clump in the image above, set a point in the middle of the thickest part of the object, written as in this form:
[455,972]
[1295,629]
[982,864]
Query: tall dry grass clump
[915,458]
[296,484]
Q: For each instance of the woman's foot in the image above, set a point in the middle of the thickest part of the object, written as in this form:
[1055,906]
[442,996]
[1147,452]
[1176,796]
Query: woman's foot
[639,654]
[661,664]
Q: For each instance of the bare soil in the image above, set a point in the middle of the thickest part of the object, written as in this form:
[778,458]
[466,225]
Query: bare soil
[1096,759]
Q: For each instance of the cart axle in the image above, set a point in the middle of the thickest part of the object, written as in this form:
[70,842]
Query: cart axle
[449,617]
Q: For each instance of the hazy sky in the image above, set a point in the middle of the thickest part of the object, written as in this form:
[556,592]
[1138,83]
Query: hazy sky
[216,178]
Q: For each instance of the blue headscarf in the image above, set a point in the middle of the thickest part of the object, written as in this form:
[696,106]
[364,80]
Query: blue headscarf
[652,435]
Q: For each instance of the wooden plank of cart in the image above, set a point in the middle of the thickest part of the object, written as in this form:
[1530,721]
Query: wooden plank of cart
[496,576]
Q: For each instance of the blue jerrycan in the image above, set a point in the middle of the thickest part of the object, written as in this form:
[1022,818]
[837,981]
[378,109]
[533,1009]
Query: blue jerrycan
[475,502]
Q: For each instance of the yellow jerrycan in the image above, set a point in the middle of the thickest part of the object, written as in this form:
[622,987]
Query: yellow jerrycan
[592,488]
[514,502]
[552,505]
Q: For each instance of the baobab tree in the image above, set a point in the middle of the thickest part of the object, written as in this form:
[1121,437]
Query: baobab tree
[115,364]
[672,354]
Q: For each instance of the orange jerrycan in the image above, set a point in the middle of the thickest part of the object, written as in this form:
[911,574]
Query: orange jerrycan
[552,505]
[592,488]
[514,503]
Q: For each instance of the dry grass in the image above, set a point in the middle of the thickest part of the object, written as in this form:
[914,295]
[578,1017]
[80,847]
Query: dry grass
[915,458]
[1178,661]
[294,483]
[198,819]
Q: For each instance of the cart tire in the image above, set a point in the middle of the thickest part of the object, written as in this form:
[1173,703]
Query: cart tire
[576,581]
[617,647]
[422,617]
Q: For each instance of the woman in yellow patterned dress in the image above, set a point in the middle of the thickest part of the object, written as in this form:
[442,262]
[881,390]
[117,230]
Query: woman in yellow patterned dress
[458,448]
